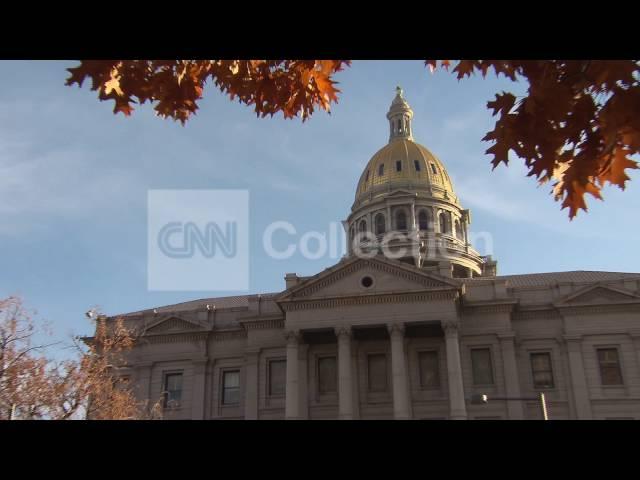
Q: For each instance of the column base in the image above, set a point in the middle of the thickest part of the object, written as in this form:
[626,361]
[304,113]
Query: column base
[402,417]
[459,416]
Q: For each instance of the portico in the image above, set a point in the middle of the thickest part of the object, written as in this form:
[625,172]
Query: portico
[347,381]
[352,320]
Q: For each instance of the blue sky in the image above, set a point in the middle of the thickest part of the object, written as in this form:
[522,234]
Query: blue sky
[74,181]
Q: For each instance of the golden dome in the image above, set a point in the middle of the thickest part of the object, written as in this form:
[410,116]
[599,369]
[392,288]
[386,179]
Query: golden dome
[404,164]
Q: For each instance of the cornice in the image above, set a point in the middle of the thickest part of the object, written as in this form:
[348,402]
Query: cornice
[493,306]
[600,308]
[175,337]
[544,313]
[263,323]
[368,299]
[229,335]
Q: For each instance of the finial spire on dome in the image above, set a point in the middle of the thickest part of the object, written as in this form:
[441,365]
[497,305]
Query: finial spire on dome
[399,116]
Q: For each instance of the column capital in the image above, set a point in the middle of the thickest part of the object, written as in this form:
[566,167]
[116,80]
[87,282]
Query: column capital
[200,361]
[450,327]
[252,355]
[292,336]
[343,330]
[395,329]
[142,365]
[572,338]
[506,336]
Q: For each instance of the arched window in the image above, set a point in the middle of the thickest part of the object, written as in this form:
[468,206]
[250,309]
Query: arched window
[445,223]
[458,229]
[363,226]
[401,220]
[423,220]
[380,224]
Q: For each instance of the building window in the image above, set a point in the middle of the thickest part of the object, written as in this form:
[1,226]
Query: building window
[429,369]
[381,169]
[398,166]
[482,366]
[458,229]
[434,170]
[172,390]
[423,220]
[610,372]
[327,375]
[401,220]
[380,224]
[363,226]
[231,387]
[445,223]
[377,372]
[541,370]
[416,164]
[277,377]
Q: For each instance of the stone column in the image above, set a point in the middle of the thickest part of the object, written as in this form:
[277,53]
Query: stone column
[414,223]
[303,381]
[345,379]
[389,222]
[401,408]
[143,382]
[198,392]
[292,403]
[251,362]
[578,378]
[512,382]
[354,376]
[457,405]
[635,337]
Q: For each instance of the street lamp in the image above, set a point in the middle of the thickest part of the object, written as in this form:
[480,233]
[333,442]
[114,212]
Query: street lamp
[481,399]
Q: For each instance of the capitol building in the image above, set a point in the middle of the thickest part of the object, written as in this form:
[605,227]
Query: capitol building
[412,323]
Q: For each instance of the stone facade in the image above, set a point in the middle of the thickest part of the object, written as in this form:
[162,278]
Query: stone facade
[568,315]
[413,337]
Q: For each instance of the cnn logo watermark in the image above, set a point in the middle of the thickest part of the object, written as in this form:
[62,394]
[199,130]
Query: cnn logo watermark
[197,240]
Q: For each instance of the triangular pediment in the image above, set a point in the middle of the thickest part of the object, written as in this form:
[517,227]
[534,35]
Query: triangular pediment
[599,294]
[347,278]
[172,324]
